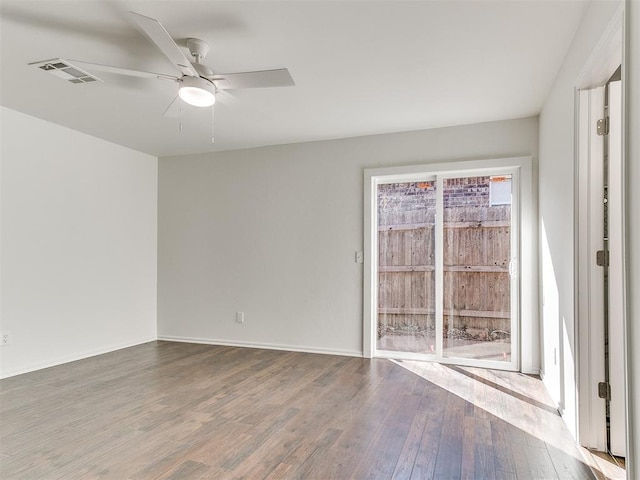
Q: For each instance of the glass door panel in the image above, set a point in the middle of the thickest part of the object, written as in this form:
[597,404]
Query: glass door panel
[406,267]
[477,216]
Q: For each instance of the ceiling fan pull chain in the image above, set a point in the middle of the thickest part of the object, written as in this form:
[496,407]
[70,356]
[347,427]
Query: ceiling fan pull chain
[212,119]
[179,109]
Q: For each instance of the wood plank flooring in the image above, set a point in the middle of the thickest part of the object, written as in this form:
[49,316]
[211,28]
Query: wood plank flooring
[167,410]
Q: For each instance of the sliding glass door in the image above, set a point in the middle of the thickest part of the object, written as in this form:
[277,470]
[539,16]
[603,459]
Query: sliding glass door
[477,254]
[406,266]
[446,263]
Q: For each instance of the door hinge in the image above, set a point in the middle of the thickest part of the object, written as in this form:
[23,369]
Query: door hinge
[602,127]
[604,390]
[602,258]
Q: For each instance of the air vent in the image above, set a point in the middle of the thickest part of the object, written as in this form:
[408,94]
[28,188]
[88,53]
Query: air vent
[65,70]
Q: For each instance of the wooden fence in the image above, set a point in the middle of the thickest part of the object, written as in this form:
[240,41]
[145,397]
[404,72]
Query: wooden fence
[476,272]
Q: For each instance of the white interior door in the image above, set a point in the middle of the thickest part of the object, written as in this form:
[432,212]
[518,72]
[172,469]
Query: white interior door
[590,206]
[601,287]
[616,273]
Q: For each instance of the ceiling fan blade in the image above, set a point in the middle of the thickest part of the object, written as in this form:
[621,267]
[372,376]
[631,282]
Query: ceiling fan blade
[123,71]
[161,38]
[226,98]
[232,102]
[259,79]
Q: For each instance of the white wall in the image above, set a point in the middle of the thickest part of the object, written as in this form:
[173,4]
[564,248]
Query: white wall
[556,206]
[79,237]
[272,232]
[632,81]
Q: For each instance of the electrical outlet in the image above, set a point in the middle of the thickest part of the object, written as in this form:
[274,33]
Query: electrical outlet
[239,317]
[4,339]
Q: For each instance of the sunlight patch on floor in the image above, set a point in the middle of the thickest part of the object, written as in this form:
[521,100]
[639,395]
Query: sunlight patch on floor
[529,409]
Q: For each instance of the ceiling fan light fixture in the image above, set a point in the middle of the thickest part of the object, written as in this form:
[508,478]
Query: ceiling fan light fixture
[197,91]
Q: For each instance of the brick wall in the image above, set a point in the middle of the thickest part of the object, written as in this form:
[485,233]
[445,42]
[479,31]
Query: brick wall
[466,192]
[415,202]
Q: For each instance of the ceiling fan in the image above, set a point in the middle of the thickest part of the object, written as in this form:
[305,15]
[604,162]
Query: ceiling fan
[197,84]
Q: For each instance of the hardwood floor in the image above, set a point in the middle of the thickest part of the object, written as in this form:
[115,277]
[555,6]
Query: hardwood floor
[606,467]
[182,411]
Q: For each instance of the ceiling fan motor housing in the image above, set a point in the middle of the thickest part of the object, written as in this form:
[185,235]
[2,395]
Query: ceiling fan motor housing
[198,48]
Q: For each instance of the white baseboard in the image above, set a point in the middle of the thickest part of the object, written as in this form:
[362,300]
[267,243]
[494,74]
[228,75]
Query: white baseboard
[266,346]
[74,357]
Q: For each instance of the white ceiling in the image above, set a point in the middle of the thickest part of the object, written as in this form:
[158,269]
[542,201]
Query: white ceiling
[360,67]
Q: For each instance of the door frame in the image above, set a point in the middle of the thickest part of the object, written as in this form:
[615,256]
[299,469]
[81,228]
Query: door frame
[525,250]
[606,57]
